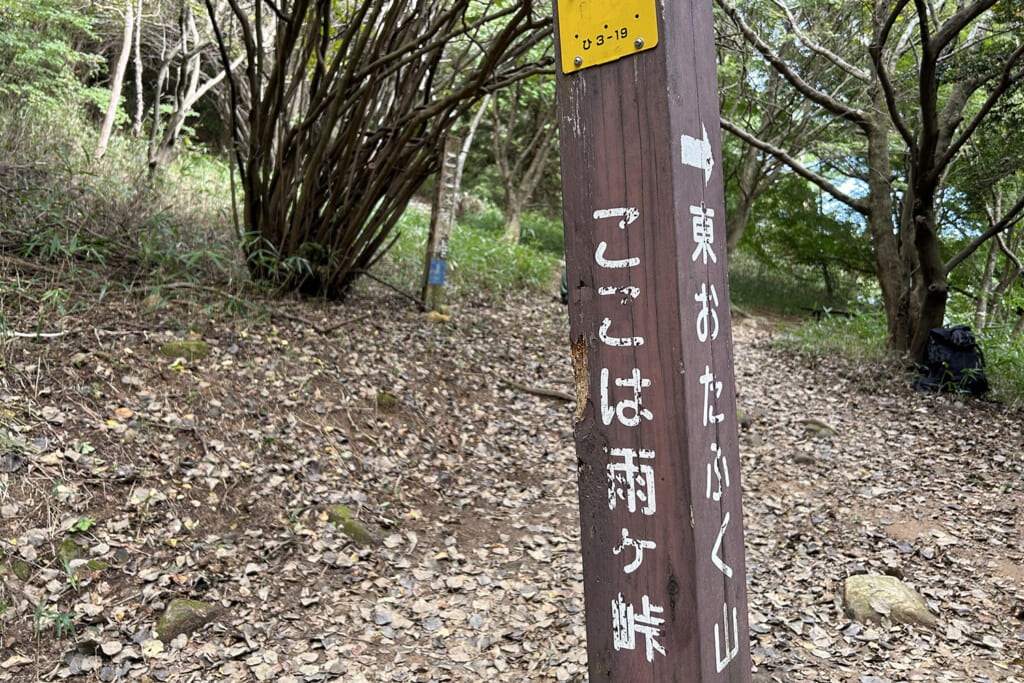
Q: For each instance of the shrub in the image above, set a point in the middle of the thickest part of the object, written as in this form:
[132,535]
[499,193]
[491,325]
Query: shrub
[41,73]
[543,233]
[756,285]
[861,338]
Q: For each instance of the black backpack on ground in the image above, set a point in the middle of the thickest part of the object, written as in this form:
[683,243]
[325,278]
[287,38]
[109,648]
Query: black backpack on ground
[953,362]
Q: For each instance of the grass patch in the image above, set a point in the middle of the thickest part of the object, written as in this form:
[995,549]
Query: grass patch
[861,338]
[543,233]
[479,262]
[1004,358]
[105,220]
[538,231]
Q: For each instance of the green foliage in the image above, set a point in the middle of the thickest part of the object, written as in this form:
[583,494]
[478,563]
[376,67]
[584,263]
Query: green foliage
[104,220]
[56,243]
[186,234]
[62,623]
[861,338]
[543,233]
[1004,358]
[762,285]
[1004,353]
[793,230]
[539,231]
[478,263]
[491,220]
[38,60]
[489,266]
[42,74]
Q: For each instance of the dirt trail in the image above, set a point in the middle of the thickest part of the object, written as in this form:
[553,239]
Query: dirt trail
[130,479]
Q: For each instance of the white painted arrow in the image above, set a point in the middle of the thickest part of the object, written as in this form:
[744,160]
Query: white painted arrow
[697,153]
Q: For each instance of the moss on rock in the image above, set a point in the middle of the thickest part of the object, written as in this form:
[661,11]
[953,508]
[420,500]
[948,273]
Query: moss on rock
[189,349]
[341,517]
[184,616]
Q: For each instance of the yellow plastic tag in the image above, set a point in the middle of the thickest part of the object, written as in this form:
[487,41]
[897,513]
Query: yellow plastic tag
[592,32]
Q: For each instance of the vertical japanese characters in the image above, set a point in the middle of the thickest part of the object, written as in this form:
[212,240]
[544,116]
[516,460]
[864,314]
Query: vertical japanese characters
[706,301]
[631,470]
[631,465]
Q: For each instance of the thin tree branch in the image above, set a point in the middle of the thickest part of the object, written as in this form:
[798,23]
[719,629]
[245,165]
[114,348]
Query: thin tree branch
[820,98]
[1012,217]
[1006,81]
[858,205]
[794,26]
[951,28]
[875,51]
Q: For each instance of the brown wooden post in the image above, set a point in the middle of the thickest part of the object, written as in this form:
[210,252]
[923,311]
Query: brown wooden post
[442,218]
[656,433]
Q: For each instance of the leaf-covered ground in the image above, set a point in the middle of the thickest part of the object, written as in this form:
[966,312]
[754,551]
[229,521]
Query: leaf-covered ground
[129,479]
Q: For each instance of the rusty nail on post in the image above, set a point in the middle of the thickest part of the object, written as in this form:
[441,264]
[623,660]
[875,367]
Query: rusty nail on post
[578,61]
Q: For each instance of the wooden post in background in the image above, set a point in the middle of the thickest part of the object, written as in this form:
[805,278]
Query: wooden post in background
[442,218]
[656,433]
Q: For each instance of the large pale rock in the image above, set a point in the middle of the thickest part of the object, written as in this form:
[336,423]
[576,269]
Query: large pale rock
[869,597]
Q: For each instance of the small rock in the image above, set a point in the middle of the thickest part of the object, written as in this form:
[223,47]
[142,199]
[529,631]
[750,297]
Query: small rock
[15,660]
[386,401]
[341,517]
[431,623]
[189,349]
[11,462]
[818,427]
[868,596]
[184,616]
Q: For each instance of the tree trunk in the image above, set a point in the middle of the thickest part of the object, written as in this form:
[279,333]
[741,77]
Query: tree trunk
[467,144]
[513,230]
[118,79]
[931,291]
[1019,327]
[888,261]
[139,105]
[520,170]
[985,287]
[749,189]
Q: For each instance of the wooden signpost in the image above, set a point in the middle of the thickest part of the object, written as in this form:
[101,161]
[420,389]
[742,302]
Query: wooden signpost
[442,218]
[656,433]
